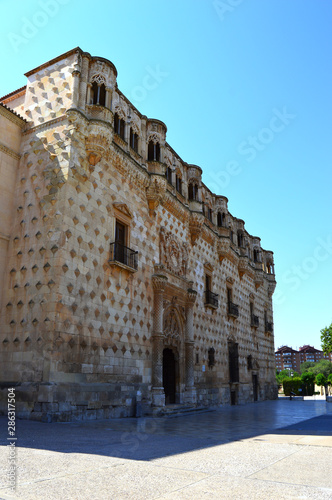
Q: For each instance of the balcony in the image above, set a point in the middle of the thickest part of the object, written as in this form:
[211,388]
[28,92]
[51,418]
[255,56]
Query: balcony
[211,299]
[233,310]
[268,327]
[96,111]
[254,321]
[123,257]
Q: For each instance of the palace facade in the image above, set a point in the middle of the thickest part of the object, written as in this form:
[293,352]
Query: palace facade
[120,270]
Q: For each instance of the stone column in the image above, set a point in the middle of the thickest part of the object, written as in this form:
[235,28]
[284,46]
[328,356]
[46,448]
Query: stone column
[88,93]
[158,396]
[76,85]
[190,393]
[108,100]
[83,82]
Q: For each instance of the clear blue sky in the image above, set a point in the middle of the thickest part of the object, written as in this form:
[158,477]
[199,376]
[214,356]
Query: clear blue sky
[244,88]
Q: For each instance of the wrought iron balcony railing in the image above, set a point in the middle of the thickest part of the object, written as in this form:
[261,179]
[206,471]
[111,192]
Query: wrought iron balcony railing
[124,255]
[233,310]
[211,298]
[268,327]
[254,320]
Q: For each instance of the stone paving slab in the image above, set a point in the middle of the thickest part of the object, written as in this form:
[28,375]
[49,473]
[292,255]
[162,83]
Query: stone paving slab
[246,452]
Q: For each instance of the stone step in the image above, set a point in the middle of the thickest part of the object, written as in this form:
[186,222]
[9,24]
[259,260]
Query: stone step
[179,410]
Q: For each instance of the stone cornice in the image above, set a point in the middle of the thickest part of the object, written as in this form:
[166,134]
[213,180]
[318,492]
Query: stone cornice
[12,116]
[9,151]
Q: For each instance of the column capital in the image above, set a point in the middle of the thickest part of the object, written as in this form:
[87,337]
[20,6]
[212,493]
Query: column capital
[159,282]
[191,296]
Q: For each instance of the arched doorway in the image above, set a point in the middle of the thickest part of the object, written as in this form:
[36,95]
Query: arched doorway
[169,376]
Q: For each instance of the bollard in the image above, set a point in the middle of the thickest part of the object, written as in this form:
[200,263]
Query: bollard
[138,404]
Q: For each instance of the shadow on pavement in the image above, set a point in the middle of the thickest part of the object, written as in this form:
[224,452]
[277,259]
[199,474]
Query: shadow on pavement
[150,438]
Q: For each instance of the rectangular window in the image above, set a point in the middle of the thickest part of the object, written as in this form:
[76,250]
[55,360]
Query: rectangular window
[233,356]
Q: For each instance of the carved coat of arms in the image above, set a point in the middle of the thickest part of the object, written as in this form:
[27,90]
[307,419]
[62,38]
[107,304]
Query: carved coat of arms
[173,253]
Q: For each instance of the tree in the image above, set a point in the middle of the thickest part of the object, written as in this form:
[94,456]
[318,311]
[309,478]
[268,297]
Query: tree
[323,366]
[308,380]
[321,380]
[326,338]
[329,380]
[306,365]
[281,376]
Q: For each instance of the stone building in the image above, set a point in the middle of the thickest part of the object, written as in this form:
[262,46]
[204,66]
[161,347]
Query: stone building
[121,271]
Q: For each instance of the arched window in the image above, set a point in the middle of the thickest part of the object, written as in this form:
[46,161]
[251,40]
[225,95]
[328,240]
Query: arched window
[168,175]
[119,126]
[256,255]
[240,239]
[192,191]
[98,93]
[133,140]
[220,219]
[153,151]
[178,183]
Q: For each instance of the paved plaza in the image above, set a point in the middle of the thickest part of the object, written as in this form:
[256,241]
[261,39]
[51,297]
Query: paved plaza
[268,450]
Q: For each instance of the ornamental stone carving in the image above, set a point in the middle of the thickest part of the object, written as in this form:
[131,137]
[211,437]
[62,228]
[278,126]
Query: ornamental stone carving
[173,254]
[155,192]
[223,248]
[195,226]
[172,327]
[96,146]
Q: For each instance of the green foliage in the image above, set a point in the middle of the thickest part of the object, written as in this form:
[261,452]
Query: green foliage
[281,376]
[326,338]
[323,366]
[329,379]
[308,381]
[321,379]
[306,365]
[292,384]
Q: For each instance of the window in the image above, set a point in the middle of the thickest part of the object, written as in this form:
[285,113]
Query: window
[211,360]
[120,253]
[133,140]
[98,94]
[209,214]
[168,175]
[178,183]
[254,320]
[119,126]
[233,309]
[240,239]
[211,299]
[192,191]
[233,357]
[256,255]
[220,219]
[153,151]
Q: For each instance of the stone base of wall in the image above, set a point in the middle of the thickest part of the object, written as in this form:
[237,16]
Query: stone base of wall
[64,402]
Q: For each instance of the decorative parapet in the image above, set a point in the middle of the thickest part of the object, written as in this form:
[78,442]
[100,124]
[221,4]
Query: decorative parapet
[98,112]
